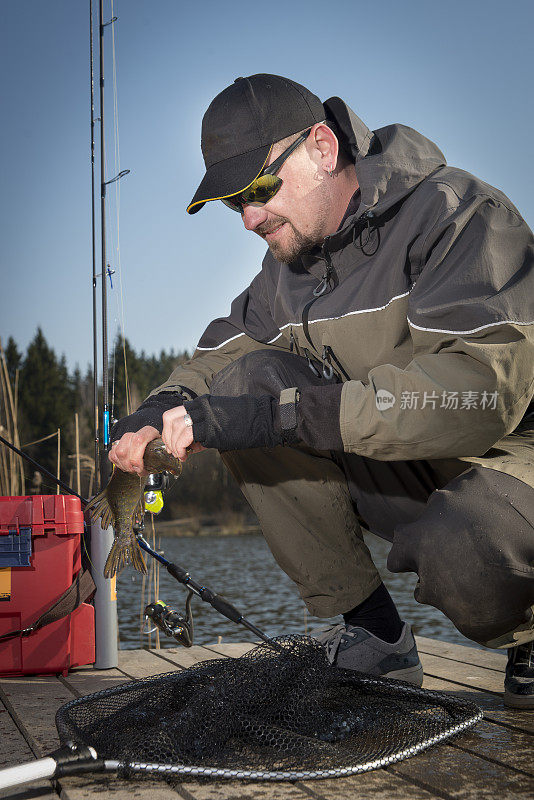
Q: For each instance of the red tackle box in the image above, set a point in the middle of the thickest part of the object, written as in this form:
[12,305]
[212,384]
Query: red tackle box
[40,555]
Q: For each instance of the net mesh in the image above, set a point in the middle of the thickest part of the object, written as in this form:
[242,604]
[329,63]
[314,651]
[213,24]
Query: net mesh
[270,714]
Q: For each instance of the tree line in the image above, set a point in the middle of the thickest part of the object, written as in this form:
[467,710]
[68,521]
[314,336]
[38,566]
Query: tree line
[49,398]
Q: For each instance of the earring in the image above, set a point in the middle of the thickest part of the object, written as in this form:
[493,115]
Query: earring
[331,170]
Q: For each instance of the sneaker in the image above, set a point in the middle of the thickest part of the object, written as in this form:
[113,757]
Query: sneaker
[350,647]
[519,680]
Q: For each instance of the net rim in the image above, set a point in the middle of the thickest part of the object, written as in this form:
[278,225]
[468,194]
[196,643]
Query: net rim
[294,775]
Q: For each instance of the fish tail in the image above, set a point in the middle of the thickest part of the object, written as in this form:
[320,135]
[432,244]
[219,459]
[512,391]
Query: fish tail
[122,553]
[100,509]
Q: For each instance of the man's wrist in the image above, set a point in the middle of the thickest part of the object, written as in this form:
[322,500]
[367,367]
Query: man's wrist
[235,423]
[150,412]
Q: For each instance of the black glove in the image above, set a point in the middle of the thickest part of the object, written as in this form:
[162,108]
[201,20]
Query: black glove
[149,413]
[318,414]
[235,423]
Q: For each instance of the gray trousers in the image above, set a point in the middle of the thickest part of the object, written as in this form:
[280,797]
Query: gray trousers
[468,533]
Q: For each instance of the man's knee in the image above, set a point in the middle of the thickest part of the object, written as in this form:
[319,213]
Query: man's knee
[473,549]
[262,372]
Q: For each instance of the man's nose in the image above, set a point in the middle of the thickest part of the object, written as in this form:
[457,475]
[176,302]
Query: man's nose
[253,216]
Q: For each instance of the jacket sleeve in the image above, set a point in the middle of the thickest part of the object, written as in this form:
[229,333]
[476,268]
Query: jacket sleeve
[248,327]
[471,322]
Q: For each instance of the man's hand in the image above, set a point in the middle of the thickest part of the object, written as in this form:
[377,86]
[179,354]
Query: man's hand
[127,453]
[177,436]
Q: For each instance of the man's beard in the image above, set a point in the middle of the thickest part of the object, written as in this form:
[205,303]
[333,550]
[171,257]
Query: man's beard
[297,246]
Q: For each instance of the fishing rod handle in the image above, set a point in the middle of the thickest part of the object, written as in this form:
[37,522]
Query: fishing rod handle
[222,605]
[216,600]
[181,575]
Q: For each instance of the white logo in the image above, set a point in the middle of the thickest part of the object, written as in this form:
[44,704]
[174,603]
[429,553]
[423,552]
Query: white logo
[384,400]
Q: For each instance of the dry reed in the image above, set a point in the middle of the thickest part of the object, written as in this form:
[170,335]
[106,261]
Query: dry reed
[12,482]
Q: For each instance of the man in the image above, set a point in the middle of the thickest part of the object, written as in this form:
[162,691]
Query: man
[378,370]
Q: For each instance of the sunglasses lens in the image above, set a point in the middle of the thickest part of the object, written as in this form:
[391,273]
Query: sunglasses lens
[262,190]
[234,205]
[258,193]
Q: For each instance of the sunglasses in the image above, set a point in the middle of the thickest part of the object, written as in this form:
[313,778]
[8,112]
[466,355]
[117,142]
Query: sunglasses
[266,185]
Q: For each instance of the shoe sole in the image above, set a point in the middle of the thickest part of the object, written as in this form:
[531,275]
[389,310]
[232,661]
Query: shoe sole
[522,701]
[413,675]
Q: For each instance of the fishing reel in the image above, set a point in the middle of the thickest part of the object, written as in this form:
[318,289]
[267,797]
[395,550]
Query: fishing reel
[171,622]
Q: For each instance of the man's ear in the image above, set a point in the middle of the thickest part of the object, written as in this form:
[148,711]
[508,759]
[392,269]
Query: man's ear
[325,147]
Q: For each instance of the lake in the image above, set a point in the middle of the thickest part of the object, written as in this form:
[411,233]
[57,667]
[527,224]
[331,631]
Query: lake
[243,570]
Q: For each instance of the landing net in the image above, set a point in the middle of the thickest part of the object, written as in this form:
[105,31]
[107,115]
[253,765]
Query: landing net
[269,715]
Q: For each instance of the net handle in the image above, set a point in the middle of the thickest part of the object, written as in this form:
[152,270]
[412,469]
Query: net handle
[24,773]
[70,759]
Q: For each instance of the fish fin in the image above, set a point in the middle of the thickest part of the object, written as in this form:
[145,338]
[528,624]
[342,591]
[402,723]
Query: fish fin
[138,562]
[122,554]
[100,509]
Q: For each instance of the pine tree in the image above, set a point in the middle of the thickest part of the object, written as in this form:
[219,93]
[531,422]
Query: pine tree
[46,399]
[13,359]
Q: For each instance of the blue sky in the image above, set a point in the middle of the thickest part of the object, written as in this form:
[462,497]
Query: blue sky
[459,72]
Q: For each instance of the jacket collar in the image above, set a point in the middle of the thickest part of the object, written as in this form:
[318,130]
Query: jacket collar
[389,162]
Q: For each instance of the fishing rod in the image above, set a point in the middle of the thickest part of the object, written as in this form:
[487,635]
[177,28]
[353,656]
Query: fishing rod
[93,249]
[105,268]
[104,464]
[217,601]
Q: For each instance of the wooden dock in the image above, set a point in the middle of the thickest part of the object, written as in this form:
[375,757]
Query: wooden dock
[493,760]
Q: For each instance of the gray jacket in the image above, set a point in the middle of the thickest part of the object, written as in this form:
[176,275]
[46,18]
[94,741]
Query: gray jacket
[422,303]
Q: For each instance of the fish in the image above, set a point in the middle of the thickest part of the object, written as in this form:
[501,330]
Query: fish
[121,504]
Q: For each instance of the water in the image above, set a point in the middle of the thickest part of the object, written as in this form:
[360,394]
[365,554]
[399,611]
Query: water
[243,570]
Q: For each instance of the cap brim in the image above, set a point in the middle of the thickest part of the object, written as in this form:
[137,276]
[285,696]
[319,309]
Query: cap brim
[229,177]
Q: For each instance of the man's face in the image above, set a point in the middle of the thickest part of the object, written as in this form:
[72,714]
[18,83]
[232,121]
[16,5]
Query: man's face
[299,216]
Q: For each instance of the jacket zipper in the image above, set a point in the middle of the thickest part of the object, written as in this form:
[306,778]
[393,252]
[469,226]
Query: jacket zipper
[328,354]
[293,344]
[319,290]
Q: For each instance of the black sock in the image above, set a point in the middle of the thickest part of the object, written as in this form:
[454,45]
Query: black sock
[378,615]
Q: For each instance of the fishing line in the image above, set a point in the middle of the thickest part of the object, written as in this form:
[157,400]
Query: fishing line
[120,307]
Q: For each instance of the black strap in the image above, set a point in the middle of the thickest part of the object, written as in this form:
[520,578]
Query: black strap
[82,589]
[288,414]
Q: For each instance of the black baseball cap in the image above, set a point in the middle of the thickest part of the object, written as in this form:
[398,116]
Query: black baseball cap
[240,127]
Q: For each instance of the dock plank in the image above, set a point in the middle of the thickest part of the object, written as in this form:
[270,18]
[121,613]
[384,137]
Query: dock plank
[14,750]
[86,680]
[14,747]
[494,659]
[89,787]
[33,703]
[232,649]
[492,706]
[38,790]
[237,790]
[189,656]
[502,745]
[377,785]
[454,773]
[483,678]
[139,664]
